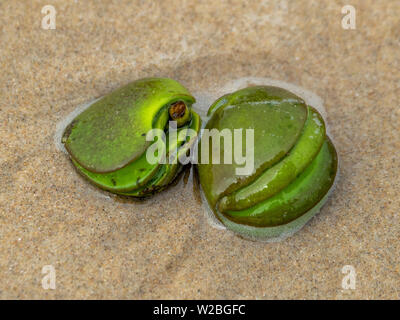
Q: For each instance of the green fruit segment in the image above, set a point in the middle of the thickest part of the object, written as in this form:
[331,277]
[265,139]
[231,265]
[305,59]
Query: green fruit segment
[180,113]
[295,164]
[282,174]
[272,234]
[111,133]
[169,171]
[296,199]
[150,188]
[172,169]
[256,95]
[277,118]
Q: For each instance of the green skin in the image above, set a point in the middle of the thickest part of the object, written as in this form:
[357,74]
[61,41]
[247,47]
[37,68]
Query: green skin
[295,164]
[107,142]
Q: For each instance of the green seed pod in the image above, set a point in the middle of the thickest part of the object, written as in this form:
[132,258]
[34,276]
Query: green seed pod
[295,163]
[107,142]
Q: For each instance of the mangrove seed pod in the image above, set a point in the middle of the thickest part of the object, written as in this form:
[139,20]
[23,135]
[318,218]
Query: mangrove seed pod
[294,163]
[107,142]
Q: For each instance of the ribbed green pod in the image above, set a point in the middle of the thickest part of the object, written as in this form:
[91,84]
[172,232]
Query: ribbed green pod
[107,142]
